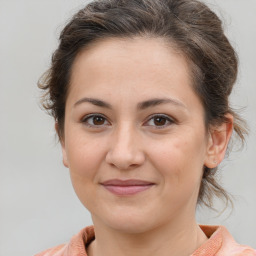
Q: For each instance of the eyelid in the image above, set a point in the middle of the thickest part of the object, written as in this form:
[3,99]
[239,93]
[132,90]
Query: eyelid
[87,117]
[168,118]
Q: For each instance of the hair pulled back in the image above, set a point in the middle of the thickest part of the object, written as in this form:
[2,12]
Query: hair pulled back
[188,25]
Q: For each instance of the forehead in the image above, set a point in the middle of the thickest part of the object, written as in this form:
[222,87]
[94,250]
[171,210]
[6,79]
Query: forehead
[149,58]
[142,65]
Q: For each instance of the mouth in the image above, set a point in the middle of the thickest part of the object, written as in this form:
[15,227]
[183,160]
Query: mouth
[126,187]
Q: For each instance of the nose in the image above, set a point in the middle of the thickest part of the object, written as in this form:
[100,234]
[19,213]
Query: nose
[125,149]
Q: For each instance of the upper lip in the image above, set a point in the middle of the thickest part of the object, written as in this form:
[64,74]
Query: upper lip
[130,182]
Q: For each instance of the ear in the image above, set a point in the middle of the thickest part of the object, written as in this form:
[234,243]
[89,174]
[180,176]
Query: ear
[219,136]
[63,148]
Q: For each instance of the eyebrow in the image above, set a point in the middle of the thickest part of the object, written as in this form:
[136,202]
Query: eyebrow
[96,102]
[157,101]
[142,105]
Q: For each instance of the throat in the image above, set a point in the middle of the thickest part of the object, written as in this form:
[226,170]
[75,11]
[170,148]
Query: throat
[182,244]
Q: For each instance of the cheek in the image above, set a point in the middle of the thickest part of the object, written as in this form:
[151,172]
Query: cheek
[180,167]
[179,159]
[82,153]
[84,161]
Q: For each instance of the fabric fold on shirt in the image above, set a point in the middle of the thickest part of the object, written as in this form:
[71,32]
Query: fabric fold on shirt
[219,243]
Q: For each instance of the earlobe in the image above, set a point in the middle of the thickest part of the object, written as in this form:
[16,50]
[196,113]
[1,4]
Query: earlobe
[64,157]
[218,140]
[62,142]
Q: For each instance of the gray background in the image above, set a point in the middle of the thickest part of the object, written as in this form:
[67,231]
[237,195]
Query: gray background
[38,208]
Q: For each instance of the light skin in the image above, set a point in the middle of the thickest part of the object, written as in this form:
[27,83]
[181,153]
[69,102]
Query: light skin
[147,124]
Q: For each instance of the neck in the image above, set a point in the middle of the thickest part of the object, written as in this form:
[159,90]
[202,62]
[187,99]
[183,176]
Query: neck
[172,239]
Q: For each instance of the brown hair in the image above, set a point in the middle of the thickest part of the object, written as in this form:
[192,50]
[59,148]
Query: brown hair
[189,25]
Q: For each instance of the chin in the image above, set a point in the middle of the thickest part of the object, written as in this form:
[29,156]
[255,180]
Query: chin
[131,228]
[130,223]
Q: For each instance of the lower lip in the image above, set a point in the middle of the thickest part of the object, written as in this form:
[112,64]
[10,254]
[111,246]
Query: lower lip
[126,190]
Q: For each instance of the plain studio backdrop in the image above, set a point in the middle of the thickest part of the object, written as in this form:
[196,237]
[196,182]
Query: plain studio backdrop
[38,208]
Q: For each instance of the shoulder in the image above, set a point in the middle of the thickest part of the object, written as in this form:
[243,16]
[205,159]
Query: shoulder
[76,246]
[221,243]
[55,251]
[231,247]
[237,250]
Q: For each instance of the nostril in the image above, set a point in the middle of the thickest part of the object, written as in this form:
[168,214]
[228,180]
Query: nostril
[125,150]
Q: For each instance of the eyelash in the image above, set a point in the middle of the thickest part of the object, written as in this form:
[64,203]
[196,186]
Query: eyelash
[152,117]
[91,116]
[165,117]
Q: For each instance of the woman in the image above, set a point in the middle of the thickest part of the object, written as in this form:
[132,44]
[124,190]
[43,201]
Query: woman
[139,92]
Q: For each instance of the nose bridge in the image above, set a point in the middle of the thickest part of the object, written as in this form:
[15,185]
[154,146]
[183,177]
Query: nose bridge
[124,136]
[125,148]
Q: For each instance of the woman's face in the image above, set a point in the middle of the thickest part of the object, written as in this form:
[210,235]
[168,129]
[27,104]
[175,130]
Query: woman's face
[132,117]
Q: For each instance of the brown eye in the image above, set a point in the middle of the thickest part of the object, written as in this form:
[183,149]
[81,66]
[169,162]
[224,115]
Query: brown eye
[159,121]
[96,121]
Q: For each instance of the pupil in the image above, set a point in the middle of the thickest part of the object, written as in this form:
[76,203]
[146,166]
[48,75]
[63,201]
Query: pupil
[98,120]
[160,121]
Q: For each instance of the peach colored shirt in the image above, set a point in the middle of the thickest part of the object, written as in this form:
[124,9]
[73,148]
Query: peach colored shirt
[220,243]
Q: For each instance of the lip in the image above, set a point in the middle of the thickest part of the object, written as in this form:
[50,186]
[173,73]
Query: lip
[126,187]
